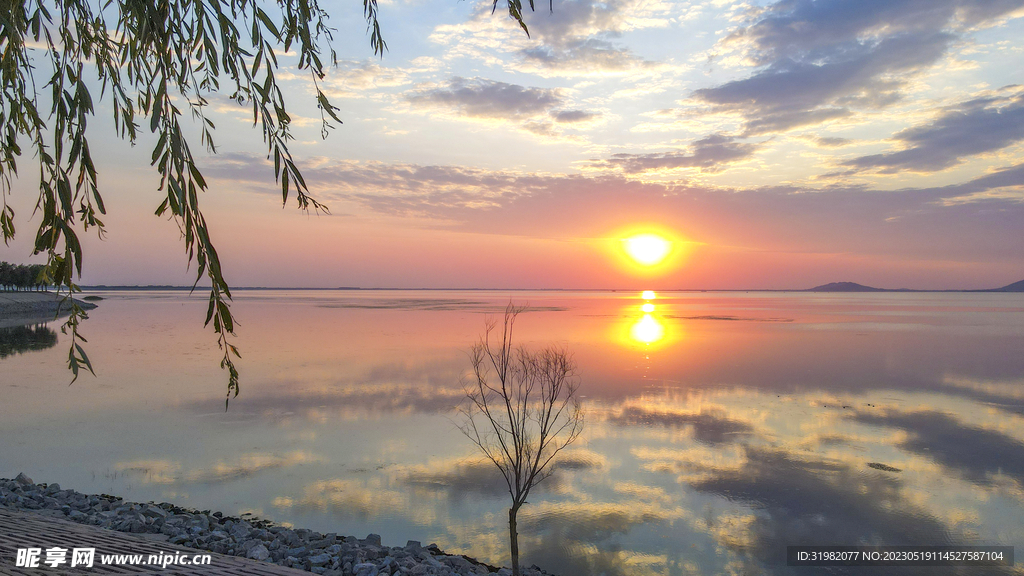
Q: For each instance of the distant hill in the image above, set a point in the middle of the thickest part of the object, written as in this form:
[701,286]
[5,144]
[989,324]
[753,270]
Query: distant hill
[854,287]
[1015,287]
[845,287]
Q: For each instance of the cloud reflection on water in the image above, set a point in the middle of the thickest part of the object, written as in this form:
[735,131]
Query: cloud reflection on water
[708,426]
[167,471]
[978,454]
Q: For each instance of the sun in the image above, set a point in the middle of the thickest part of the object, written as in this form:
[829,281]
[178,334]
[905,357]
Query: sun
[647,249]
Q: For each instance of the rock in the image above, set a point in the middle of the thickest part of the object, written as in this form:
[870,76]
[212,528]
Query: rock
[320,543]
[154,512]
[240,530]
[365,569]
[201,522]
[258,552]
[320,559]
[460,564]
[298,552]
[249,545]
[255,539]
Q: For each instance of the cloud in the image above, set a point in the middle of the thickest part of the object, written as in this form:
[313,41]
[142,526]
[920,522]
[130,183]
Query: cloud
[827,141]
[709,154]
[584,55]
[819,60]
[791,28]
[482,98]
[573,116]
[536,110]
[790,92]
[907,224]
[576,38]
[973,127]
[352,79]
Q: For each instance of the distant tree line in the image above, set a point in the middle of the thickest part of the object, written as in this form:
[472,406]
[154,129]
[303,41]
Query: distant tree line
[22,276]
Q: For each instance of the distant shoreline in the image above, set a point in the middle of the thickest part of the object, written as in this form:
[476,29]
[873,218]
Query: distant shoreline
[20,308]
[1012,288]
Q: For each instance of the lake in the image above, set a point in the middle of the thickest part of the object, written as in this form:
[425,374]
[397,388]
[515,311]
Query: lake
[721,427]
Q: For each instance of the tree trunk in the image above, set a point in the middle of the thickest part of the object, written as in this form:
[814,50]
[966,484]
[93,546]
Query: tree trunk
[513,536]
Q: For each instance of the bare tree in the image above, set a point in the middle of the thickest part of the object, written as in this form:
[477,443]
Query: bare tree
[522,410]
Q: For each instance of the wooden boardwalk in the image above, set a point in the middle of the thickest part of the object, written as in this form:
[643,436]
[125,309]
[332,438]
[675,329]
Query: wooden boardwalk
[25,529]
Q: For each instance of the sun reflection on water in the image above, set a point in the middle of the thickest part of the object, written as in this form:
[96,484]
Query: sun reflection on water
[649,328]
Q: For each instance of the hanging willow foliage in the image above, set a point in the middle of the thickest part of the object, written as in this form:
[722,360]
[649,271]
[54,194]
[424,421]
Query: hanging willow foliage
[150,56]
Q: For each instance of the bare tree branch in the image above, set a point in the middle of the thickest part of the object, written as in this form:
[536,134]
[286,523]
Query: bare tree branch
[524,420]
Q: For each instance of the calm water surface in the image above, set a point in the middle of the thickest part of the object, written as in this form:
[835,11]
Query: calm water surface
[721,427]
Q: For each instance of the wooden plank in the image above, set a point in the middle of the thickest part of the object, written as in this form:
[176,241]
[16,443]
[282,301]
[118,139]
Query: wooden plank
[27,529]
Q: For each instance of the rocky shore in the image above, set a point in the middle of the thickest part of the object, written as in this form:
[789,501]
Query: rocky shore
[18,308]
[251,537]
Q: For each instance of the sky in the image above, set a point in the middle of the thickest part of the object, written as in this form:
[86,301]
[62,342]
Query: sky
[776,144]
